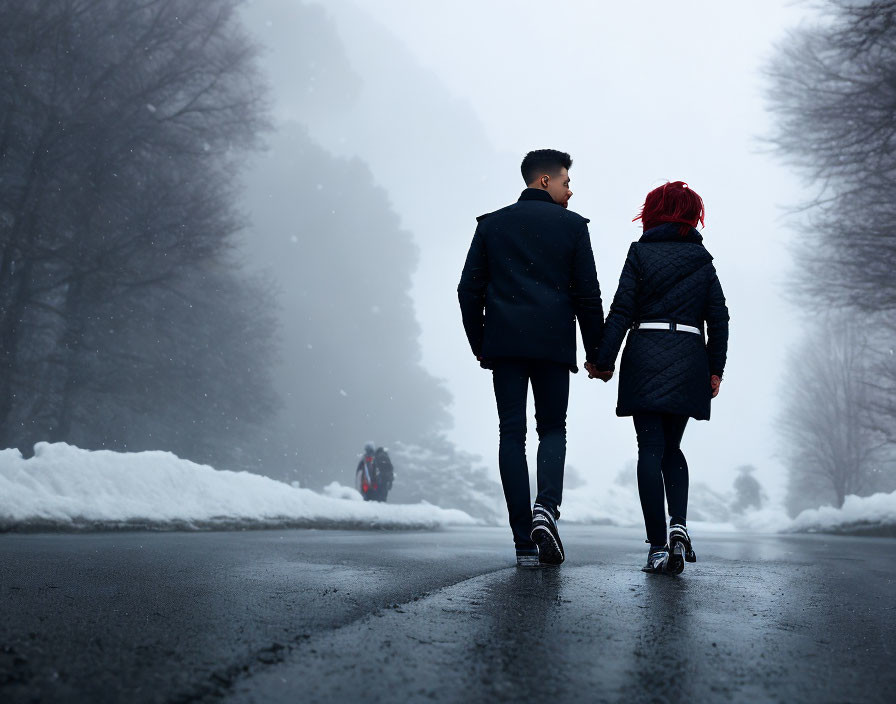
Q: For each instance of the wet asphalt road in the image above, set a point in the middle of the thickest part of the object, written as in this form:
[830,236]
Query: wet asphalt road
[332,616]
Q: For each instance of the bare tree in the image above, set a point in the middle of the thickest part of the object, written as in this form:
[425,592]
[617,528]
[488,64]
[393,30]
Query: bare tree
[830,441]
[882,381]
[123,125]
[833,90]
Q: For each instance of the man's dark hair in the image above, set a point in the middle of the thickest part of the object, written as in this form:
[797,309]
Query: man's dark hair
[543,161]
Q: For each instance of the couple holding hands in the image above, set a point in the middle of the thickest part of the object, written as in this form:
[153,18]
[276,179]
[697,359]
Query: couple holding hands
[529,275]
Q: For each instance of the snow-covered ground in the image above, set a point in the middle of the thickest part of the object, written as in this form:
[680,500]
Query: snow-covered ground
[875,513]
[64,487]
[618,504]
[615,504]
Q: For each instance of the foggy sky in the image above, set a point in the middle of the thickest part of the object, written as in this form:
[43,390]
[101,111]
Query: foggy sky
[450,97]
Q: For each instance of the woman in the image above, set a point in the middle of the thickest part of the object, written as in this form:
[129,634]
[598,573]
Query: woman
[667,291]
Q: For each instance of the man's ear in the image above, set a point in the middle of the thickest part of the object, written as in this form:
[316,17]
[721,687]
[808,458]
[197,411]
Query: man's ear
[544,181]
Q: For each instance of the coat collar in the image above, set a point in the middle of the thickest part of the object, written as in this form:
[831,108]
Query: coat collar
[536,194]
[670,232]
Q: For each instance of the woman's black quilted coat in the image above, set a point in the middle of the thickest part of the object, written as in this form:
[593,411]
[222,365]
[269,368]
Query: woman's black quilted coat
[667,277]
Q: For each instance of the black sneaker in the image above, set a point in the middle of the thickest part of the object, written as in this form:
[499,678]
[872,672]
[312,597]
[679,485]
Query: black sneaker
[657,559]
[545,535]
[680,548]
[528,559]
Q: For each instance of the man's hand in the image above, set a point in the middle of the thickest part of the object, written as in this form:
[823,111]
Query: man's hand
[595,373]
[715,382]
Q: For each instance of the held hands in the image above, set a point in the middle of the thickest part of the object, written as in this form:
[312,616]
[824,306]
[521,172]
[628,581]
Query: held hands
[593,373]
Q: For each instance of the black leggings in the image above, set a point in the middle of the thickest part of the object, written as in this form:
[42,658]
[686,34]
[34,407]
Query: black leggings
[661,461]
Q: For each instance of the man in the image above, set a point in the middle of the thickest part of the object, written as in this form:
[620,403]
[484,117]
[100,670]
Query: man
[385,473]
[529,275]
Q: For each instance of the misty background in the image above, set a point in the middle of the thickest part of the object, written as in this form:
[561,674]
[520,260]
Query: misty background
[441,103]
[234,230]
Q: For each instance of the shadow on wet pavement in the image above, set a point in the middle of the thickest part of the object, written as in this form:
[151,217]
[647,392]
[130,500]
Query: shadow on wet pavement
[600,632]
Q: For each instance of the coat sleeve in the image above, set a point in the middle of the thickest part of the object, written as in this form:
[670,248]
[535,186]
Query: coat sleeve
[585,293]
[623,312]
[471,292]
[716,315]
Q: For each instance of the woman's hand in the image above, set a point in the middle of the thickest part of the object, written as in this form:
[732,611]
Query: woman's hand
[594,373]
[716,383]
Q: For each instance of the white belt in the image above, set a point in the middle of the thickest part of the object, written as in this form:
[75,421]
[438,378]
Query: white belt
[674,327]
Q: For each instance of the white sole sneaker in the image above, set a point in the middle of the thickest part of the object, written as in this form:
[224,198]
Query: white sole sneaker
[547,537]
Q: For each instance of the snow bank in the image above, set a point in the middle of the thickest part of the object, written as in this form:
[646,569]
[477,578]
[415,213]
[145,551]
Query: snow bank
[64,487]
[770,519]
[619,505]
[335,490]
[610,504]
[616,504]
[859,514]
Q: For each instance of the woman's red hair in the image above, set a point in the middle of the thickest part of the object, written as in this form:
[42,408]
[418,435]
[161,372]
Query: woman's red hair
[672,202]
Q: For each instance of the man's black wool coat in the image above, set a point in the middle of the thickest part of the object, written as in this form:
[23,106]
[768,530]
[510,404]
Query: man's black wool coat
[529,274]
[667,277]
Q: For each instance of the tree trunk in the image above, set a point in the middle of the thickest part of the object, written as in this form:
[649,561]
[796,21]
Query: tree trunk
[70,344]
[10,333]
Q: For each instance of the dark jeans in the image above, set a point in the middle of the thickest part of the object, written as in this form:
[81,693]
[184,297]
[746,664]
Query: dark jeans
[661,461]
[550,388]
